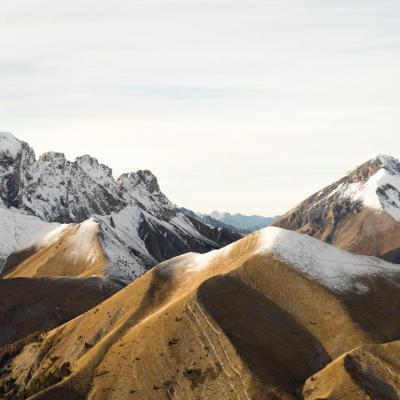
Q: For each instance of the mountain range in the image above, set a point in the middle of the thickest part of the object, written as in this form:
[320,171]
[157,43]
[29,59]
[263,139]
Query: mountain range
[246,223]
[110,291]
[129,222]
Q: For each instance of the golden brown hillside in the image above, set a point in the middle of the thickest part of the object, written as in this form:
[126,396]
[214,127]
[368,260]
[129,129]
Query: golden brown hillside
[74,250]
[254,320]
[368,372]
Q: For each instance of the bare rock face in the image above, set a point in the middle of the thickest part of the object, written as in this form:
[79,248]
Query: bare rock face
[360,212]
[139,226]
[15,159]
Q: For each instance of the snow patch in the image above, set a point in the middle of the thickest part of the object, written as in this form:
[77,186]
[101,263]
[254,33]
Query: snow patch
[81,243]
[9,144]
[380,192]
[52,236]
[195,262]
[19,231]
[201,261]
[330,266]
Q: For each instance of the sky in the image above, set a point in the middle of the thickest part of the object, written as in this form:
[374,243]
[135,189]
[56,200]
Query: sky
[236,105]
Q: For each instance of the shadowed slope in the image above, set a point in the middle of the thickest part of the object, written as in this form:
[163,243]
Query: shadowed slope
[368,372]
[29,305]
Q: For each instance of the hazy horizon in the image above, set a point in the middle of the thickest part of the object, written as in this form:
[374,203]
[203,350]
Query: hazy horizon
[237,106]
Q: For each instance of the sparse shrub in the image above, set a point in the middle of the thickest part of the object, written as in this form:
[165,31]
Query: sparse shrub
[46,381]
[9,351]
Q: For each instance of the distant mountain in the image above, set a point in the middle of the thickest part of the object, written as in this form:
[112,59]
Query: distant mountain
[247,223]
[118,228]
[360,212]
[207,219]
[275,315]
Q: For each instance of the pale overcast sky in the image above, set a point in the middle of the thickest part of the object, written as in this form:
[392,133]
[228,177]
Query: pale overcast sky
[237,105]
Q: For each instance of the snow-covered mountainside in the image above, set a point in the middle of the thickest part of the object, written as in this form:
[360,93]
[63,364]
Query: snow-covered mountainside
[380,190]
[336,269]
[19,231]
[360,212]
[139,226]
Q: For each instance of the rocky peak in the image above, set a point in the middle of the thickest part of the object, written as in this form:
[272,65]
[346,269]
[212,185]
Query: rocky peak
[107,171]
[56,189]
[12,149]
[87,162]
[100,173]
[390,163]
[53,157]
[9,145]
[142,186]
[365,171]
[374,185]
[149,180]
[16,158]
[138,224]
[142,178]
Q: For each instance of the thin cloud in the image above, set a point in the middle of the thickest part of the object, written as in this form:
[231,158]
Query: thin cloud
[218,98]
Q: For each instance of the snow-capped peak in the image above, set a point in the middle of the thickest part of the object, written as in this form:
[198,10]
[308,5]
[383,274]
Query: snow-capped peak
[375,184]
[138,225]
[144,178]
[56,189]
[390,163]
[9,144]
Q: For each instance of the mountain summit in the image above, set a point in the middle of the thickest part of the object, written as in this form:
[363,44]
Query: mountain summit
[132,220]
[360,212]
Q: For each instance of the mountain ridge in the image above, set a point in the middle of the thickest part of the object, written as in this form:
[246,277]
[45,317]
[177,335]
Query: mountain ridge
[247,223]
[360,212]
[138,225]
